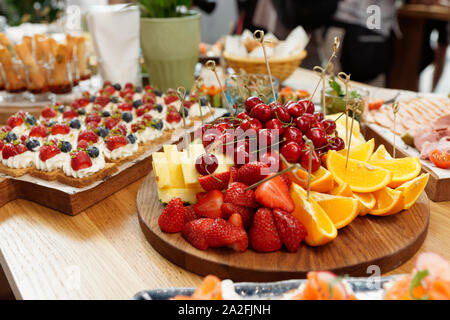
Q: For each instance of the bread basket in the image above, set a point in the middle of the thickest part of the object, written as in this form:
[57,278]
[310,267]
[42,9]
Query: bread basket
[281,68]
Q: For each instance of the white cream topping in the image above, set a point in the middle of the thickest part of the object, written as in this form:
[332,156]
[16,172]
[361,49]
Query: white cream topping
[20,130]
[97,164]
[175,125]
[121,152]
[53,163]
[148,134]
[23,160]
[194,111]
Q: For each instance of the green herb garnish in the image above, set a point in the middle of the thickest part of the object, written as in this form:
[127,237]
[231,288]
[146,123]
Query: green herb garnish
[416,282]
[333,282]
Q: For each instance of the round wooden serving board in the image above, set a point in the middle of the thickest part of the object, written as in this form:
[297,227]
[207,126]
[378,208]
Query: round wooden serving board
[383,241]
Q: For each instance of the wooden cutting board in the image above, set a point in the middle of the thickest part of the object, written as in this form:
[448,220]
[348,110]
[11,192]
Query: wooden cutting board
[386,242]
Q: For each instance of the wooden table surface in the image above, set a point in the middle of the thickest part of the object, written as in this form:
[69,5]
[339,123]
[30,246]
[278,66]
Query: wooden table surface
[102,253]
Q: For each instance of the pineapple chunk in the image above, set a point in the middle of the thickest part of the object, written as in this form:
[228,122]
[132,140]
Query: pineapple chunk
[188,165]
[225,162]
[176,173]
[187,195]
[161,170]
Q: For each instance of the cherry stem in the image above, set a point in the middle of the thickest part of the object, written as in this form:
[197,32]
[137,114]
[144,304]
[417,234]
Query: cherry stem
[266,147]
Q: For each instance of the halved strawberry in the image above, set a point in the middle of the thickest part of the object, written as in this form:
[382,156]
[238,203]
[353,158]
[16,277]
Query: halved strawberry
[111,122]
[14,121]
[252,172]
[216,181]
[82,144]
[88,135]
[286,179]
[124,106]
[123,129]
[48,151]
[200,195]
[9,151]
[114,142]
[228,209]
[222,233]
[6,128]
[20,148]
[237,194]
[233,173]
[172,218]
[2,144]
[170,99]
[290,230]
[69,114]
[83,102]
[210,205]
[102,101]
[48,113]
[59,128]
[38,131]
[274,194]
[80,160]
[92,117]
[263,233]
[242,244]
[190,214]
[194,232]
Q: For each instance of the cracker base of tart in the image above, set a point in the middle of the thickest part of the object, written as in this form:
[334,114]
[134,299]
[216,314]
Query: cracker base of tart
[45,175]
[14,172]
[109,169]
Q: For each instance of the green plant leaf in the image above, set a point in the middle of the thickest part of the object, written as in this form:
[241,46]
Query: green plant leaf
[416,282]
[335,86]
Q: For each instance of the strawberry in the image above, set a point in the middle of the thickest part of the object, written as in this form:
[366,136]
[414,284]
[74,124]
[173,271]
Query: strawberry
[190,214]
[172,218]
[92,125]
[114,142]
[38,131]
[200,195]
[102,101]
[229,209]
[242,244]
[92,117]
[252,172]
[286,179]
[237,194]
[210,205]
[80,160]
[23,138]
[170,99]
[147,117]
[290,230]
[60,129]
[83,102]
[194,232]
[69,114]
[88,135]
[124,106]
[111,122]
[2,144]
[222,233]
[20,148]
[217,181]
[48,113]
[233,173]
[173,116]
[122,129]
[48,151]
[9,151]
[274,194]
[6,128]
[14,121]
[263,233]
[82,144]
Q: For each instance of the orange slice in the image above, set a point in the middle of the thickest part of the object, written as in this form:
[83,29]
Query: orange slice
[361,152]
[341,210]
[403,169]
[389,202]
[413,189]
[342,189]
[321,179]
[360,176]
[366,202]
[380,153]
[319,226]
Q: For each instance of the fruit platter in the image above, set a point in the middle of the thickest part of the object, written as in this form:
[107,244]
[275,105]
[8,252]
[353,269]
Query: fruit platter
[421,131]
[74,155]
[274,192]
[429,280]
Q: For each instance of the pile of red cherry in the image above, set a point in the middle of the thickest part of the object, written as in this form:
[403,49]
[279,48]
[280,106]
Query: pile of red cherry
[289,125]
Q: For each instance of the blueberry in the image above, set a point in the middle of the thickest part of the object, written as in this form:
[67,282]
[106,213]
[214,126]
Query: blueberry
[75,124]
[31,120]
[65,146]
[203,101]
[157,93]
[102,131]
[32,144]
[137,103]
[81,111]
[186,112]
[226,115]
[131,138]
[93,151]
[159,108]
[61,109]
[10,136]
[92,99]
[157,124]
[117,86]
[105,114]
[127,116]
[114,99]
[138,89]
[51,123]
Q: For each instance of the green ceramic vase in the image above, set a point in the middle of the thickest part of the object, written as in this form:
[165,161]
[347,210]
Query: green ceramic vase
[170,49]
